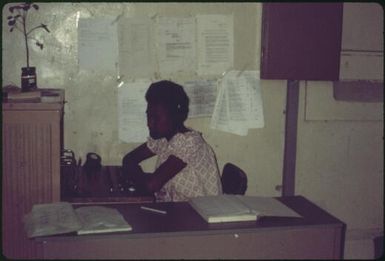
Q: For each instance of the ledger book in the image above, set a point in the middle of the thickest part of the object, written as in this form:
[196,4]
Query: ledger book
[61,217]
[233,208]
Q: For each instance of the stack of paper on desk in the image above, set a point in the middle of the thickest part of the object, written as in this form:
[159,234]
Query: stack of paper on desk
[61,217]
[24,96]
[229,208]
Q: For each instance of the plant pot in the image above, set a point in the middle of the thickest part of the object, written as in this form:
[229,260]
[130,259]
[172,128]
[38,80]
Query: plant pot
[28,79]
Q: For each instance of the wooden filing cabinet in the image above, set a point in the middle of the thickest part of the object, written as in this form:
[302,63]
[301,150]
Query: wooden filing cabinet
[301,41]
[32,140]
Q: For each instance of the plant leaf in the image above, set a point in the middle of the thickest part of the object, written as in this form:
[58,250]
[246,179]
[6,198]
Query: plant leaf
[11,22]
[35,6]
[11,29]
[10,17]
[12,8]
[45,27]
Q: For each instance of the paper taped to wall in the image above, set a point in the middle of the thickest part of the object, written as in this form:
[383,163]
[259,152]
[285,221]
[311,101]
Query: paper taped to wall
[136,52]
[202,95]
[215,43]
[175,44]
[97,44]
[132,111]
[239,103]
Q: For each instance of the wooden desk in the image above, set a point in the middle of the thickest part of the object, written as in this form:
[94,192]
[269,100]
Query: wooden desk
[183,234]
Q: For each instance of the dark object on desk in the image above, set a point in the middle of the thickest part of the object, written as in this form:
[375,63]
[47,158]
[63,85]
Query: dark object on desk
[93,164]
[135,188]
[134,179]
[68,173]
[121,185]
[28,79]
[234,180]
[67,158]
[106,185]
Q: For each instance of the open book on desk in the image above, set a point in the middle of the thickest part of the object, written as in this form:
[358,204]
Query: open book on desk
[61,217]
[97,219]
[231,208]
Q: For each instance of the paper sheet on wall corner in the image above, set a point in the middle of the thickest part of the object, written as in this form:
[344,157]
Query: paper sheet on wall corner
[132,111]
[238,107]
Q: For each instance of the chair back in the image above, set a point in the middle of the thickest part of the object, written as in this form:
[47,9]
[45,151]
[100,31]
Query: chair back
[234,180]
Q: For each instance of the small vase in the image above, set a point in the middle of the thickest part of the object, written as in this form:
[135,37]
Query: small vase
[28,79]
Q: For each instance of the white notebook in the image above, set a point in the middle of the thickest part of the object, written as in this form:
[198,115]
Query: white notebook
[223,208]
[232,208]
[51,219]
[61,217]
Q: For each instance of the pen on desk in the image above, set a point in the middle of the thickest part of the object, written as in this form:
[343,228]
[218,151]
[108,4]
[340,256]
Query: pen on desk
[153,210]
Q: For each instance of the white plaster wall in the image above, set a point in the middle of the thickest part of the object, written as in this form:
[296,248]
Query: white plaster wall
[340,144]
[340,168]
[90,121]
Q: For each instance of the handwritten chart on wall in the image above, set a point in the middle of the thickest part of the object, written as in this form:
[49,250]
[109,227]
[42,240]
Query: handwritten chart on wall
[239,105]
[202,95]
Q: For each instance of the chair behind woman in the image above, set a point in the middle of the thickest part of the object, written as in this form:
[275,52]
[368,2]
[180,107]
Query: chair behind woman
[234,180]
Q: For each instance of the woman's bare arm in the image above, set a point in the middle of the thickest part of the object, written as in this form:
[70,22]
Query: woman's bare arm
[155,181]
[130,164]
[167,170]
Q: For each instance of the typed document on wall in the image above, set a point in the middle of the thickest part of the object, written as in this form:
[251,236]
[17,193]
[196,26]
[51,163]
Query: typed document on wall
[215,44]
[175,44]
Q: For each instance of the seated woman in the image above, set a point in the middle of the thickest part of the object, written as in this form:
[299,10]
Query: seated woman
[186,166]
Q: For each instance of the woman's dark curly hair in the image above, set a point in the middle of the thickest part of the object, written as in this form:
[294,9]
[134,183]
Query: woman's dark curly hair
[172,96]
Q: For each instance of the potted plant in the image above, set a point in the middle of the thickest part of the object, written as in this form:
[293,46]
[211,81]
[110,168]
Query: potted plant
[17,20]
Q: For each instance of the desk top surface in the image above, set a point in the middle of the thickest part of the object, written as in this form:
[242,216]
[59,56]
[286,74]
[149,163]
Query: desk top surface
[182,218]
